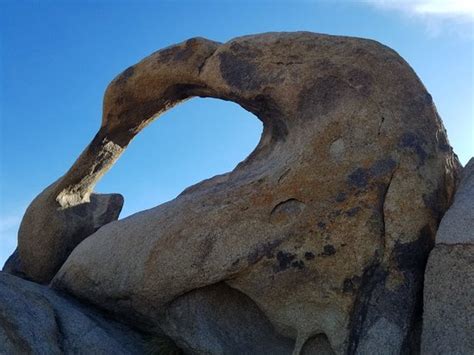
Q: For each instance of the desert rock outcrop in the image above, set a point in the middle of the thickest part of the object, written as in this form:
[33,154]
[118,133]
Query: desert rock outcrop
[448,317]
[326,226]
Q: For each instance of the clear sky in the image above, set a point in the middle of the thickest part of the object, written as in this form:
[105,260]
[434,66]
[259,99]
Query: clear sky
[57,57]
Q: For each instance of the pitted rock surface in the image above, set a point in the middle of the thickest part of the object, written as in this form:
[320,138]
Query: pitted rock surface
[326,226]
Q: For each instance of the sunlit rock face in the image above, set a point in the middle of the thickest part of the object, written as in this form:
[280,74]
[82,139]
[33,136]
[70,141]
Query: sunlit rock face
[325,227]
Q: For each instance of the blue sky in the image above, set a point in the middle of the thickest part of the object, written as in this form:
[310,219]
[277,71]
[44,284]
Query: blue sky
[57,57]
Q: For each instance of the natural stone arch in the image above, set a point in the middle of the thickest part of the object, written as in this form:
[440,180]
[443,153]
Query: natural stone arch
[350,135]
[175,73]
[129,106]
[194,141]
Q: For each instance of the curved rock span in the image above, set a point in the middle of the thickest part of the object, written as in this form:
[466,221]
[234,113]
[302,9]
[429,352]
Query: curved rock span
[325,227]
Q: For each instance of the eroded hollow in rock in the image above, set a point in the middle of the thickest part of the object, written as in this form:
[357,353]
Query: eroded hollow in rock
[194,141]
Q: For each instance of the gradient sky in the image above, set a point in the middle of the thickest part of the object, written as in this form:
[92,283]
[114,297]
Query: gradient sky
[57,57]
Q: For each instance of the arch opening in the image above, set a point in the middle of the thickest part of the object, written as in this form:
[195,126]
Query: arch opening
[196,140]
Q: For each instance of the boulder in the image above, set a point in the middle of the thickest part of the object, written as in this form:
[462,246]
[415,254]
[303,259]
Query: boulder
[457,225]
[448,317]
[48,233]
[36,320]
[326,226]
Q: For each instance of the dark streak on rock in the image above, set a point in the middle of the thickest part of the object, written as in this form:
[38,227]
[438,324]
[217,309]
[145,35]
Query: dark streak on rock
[373,275]
[351,285]
[414,142]
[309,255]
[436,201]
[353,211]
[321,225]
[263,250]
[382,167]
[413,256]
[359,178]
[238,72]
[401,306]
[341,197]
[268,111]
[328,250]
[284,261]
[299,264]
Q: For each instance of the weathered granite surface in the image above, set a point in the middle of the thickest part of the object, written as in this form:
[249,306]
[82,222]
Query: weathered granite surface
[448,312]
[220,320]
[36,320]
[49,233]
[457,225]
[326,226]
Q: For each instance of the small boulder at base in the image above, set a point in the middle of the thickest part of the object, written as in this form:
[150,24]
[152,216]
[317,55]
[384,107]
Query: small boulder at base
[49,233]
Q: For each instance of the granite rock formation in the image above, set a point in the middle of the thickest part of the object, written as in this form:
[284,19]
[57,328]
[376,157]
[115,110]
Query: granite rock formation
[36,320]
[48,233]
[448,317]
[220,320]
[325,227]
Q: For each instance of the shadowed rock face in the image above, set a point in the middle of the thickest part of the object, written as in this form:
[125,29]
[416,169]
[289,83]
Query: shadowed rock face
[48,233]
[448,307]
[36,320]
[326,226]
[220,320]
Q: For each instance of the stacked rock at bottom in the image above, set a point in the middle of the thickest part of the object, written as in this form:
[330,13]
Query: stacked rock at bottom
[36,320]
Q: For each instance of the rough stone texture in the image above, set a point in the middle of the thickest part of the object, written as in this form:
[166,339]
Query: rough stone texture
[317,345]
[457,225]
[220,320]
[448,314]
[13,265]
[36,320]
[448,317]
[48,233]
[326,226]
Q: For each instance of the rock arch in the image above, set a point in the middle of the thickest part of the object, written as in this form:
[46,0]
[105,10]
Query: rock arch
[326,226]
[198,139]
